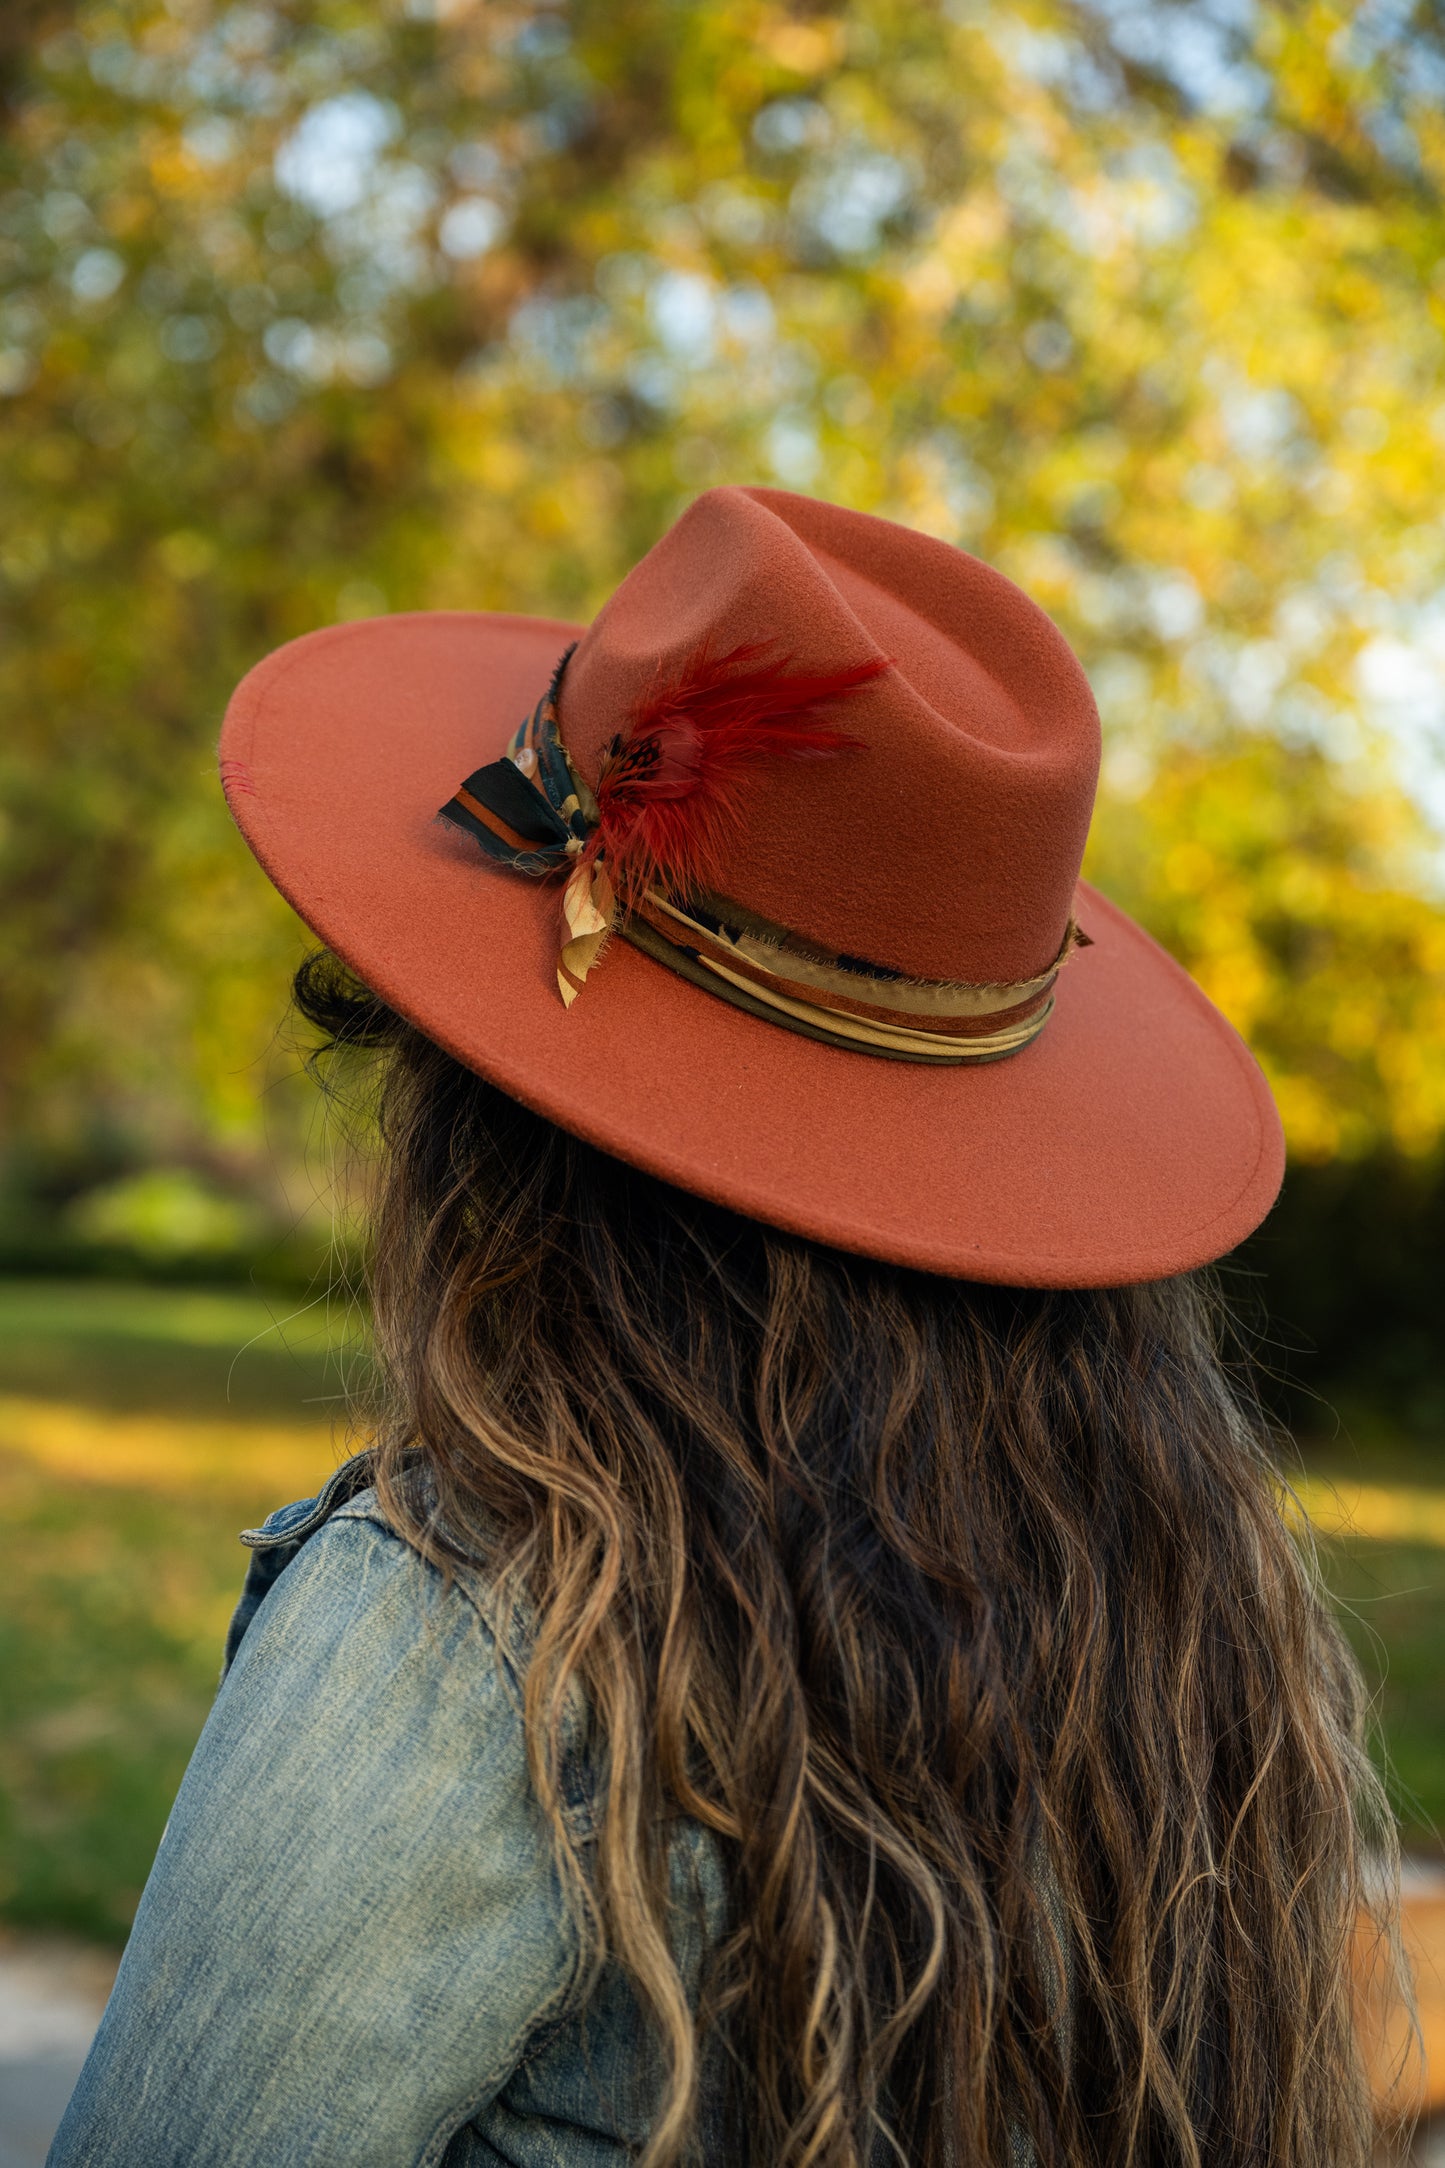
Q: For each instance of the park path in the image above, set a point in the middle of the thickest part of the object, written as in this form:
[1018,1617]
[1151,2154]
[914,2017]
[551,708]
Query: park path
[51,1997]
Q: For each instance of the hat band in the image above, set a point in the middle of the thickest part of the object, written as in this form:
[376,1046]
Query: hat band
[532,812]
[767,971]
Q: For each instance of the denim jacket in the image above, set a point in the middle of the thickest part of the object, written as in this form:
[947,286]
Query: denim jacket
[353,1949]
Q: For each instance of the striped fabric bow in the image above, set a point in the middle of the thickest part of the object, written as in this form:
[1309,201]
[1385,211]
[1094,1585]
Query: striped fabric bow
[530,812]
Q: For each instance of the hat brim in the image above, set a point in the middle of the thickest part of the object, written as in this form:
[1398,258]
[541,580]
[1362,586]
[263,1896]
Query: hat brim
[1134,1138]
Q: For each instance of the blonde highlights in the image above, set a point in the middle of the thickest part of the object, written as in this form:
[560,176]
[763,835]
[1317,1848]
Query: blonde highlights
[965,1617]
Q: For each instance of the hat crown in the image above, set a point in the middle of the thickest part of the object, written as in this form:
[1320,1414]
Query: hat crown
[948,844]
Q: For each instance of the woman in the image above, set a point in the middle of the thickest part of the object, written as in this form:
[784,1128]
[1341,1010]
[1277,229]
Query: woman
[812,1669]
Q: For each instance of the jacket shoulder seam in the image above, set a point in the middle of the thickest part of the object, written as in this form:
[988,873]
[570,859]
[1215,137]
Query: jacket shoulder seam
[507,1638]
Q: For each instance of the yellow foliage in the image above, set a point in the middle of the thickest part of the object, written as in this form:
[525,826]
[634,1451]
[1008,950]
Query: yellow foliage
[1178,371]
[171,1454]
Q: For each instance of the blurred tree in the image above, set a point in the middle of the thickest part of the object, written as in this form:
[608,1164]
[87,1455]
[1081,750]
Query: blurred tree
[313,308]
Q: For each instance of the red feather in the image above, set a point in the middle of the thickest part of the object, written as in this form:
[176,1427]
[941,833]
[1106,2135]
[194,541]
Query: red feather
[672,793]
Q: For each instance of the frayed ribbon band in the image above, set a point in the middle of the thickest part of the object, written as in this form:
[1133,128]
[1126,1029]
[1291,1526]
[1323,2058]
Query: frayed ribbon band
[765,969]
[532,812]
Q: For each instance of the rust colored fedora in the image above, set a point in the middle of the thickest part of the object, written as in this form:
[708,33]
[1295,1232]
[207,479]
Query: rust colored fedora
[767,882]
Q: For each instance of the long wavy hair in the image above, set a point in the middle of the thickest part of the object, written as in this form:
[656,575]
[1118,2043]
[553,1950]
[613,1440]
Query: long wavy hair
[968,1618]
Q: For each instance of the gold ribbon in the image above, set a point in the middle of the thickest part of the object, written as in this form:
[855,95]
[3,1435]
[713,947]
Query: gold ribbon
[589,912]
[893,1038]
[764,969]
[742,942]
[910,1019]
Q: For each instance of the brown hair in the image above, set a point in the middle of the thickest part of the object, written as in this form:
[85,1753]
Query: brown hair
[966,1616]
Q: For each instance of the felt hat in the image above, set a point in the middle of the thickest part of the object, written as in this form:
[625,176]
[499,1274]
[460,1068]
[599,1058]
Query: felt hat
[767,882]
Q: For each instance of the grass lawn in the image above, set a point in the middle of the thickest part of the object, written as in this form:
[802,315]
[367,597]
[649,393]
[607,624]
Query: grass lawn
[142,1427]
[1377,1496]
